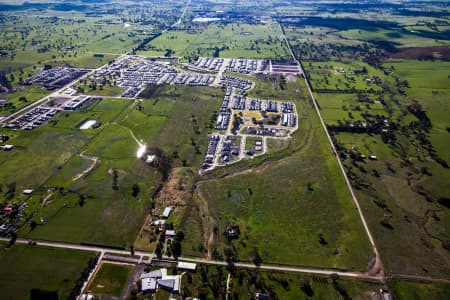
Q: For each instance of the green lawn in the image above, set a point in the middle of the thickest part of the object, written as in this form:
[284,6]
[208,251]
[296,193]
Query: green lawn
[110,280]
[25,268]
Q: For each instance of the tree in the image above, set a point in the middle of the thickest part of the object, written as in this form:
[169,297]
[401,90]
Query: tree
[136,190]
[115,182]
[179,236]
[176,248]
[256,258]
[33,225]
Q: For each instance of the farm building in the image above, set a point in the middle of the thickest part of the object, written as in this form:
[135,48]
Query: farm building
[186,266]
[167,212]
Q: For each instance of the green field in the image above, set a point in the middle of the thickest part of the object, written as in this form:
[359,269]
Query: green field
[50,269]
[24,95]
[99,219]
[234,40]
[254,202]
[325,76]
[416,290]
[402,201]
[110,279]
[114,148]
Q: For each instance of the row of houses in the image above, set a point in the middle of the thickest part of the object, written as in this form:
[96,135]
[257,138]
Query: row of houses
[212,64]
[56,77]
[236,82]
[211,152]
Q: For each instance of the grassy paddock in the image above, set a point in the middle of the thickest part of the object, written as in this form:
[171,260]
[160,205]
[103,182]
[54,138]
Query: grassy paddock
[25,268]
[110,279]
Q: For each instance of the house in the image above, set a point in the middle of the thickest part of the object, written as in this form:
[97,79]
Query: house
[170,233]
[27,192]
[186,266]
[167,212]
[158,274]
[150,281]
[160,223]
[261,296]
[170,284]
[148,285]
[7,147]
[87,297]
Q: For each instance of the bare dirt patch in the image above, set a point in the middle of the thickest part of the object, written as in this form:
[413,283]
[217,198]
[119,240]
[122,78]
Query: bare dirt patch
[436,52]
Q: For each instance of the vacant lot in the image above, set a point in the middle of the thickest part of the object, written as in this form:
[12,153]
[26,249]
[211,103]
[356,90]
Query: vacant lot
[416,290]
[347,77]
[110,280]
[234,40]
[50,269]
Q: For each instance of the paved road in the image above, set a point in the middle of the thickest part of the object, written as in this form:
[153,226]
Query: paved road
[266,267]
[199,260]
[377,263]
[183,14]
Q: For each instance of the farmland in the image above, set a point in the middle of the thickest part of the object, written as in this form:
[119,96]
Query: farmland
[241,40]
[110,279]
[247,201]
[58,270]
[281,149]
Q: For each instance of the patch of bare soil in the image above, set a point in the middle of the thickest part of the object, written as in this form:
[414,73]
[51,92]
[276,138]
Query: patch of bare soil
[177,189]
[435,52]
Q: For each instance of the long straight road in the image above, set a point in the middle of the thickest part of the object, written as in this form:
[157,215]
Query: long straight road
[267,267]
[377,266]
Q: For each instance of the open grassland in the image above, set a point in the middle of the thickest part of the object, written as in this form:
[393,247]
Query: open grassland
[38,155]
[346,107]
[89,208]
[35,39]
[103,209]
[234,40]
[188,116]
[25,268]
[403,192]
[343,76]
[110,280]
[417,290]
[317,35]
[23,96]
[399,39]
[335,239]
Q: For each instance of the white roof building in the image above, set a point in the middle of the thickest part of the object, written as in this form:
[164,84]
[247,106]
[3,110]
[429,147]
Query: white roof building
[148,285]
[27,191]
[170,232]
[186,266]
[167,212]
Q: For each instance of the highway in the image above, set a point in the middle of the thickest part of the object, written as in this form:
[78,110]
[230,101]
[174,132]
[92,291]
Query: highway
[377,265]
